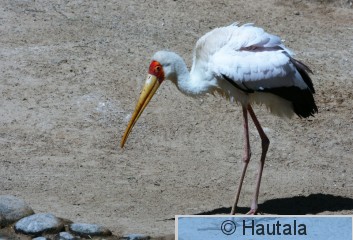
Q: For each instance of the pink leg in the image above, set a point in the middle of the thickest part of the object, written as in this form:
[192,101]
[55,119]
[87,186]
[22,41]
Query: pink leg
[265,144]
[246,158]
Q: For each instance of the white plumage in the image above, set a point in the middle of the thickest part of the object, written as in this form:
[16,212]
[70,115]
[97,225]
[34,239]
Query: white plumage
[245,64]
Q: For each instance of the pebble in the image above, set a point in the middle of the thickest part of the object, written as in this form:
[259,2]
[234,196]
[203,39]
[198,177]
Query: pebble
[13,209]
[136,237]
[40,238]
[39,223]
[88,230]
[65,236]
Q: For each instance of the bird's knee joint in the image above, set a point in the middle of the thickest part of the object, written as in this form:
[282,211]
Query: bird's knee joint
[265,142]
[246,158]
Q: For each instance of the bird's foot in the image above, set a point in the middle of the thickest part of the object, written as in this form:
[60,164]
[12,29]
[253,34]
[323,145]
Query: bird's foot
[252,212]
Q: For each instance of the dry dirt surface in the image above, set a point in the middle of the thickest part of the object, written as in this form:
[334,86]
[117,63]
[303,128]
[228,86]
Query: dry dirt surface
[70,75]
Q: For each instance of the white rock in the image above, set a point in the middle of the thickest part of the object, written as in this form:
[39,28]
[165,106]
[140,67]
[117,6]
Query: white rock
[39,223]
[65,236]
[13,209]
[88,230]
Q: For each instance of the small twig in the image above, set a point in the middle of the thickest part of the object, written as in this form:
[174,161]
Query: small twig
[34,10]
[60,12]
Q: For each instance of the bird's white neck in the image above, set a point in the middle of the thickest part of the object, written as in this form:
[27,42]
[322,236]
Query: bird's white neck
[190,83]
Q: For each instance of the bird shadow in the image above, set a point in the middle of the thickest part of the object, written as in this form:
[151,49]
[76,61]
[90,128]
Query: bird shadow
[298,205]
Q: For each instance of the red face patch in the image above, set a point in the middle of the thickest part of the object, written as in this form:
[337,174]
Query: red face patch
[156,69]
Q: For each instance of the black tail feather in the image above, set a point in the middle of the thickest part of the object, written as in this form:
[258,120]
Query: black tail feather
[302,99]
[303,70]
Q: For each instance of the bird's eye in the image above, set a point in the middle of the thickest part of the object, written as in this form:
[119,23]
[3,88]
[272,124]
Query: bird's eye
[157,69]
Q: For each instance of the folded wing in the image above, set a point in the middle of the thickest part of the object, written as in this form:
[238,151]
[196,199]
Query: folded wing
[257,62]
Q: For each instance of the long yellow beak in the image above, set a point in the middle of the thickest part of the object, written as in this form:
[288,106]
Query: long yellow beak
[150,87]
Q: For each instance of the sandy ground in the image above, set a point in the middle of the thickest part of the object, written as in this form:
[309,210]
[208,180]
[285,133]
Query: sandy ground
[71,71]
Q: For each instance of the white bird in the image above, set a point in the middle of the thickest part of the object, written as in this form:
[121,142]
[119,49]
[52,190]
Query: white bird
[245,64]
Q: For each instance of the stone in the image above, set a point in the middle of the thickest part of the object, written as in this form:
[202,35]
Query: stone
[39,223]
[65,236]
[89,230]
[40,238]
[136,237]
[12,209]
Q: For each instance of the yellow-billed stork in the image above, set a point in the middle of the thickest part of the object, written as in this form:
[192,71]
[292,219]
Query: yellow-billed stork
[245,64]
